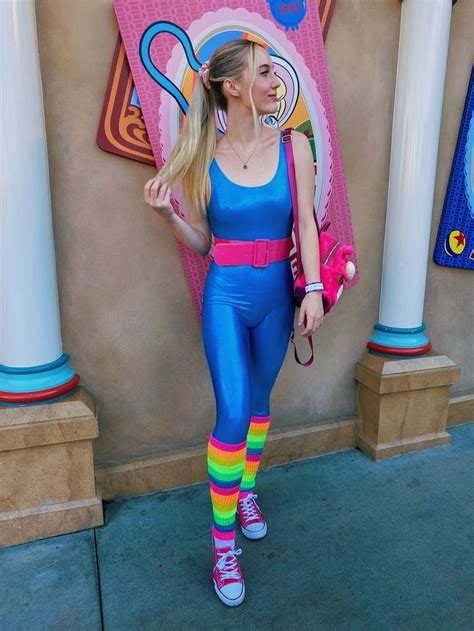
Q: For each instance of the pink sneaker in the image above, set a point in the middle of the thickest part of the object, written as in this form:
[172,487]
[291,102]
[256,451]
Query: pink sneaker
[228,577]
[252,522]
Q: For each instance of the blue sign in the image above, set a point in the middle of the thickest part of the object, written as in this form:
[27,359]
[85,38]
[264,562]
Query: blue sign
[455,241]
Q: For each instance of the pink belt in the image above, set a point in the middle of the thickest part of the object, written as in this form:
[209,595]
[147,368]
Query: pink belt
[258,253]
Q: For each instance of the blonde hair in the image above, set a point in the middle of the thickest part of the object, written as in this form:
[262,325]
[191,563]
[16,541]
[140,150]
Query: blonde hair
[189,161]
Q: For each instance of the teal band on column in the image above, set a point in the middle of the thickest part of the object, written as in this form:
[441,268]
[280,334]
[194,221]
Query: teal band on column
[51,379]
[401,342]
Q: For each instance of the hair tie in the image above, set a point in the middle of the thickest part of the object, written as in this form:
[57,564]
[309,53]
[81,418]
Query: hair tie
[203,73]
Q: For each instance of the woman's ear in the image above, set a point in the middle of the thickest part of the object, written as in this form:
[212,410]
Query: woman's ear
[230,87]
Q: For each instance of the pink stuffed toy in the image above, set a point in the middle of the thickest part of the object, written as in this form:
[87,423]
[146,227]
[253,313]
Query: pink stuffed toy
[336,267]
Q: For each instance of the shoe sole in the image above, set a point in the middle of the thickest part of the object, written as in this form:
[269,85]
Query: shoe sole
[254,535]
[227,601]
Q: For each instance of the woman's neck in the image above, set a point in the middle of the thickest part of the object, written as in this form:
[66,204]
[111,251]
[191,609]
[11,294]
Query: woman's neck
[240,128]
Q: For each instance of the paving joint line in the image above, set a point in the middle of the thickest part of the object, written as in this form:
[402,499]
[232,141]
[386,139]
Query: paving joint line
[99,588]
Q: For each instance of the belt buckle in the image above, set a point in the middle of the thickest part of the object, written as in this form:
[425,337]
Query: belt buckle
[257,251]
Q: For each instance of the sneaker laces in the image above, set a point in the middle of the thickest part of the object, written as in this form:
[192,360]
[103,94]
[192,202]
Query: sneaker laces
[227,563]
[249,508]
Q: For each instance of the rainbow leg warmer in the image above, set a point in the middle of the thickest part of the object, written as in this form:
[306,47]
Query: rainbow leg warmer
[225,465]
[256,437]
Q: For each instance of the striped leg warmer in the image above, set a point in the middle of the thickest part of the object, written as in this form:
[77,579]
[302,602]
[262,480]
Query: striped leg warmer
[225,464]
[256,436]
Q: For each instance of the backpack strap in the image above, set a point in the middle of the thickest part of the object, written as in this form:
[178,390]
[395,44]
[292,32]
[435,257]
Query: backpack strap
[309,361]
[290,163]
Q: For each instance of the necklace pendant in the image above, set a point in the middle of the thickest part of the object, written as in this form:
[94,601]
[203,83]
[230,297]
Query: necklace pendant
[245,166]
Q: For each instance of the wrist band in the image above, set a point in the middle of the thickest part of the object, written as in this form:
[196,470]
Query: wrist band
[314,287]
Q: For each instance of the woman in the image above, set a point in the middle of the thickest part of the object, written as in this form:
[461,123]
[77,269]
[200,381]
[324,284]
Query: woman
[237,189]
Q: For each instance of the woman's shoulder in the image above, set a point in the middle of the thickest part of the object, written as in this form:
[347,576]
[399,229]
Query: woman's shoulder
[302,152]
[299,138]
[301,146]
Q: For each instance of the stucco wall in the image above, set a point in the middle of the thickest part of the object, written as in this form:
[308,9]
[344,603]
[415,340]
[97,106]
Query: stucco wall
[127,318]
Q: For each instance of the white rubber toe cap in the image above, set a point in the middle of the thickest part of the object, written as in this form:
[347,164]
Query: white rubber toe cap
[232,594]
[254,531]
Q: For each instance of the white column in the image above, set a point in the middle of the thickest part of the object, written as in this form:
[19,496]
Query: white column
[30,333]
[422,57]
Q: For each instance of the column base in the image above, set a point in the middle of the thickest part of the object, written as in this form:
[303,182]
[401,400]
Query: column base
[403,403]
[399,342]
[386,450]
[47,469]
[40,522]
[20,386]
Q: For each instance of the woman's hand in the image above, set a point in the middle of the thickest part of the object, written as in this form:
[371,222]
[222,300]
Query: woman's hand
[312,310]
[158,195]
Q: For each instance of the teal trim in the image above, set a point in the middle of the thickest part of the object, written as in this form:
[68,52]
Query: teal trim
[393,329]
[399,338]
[32,369]
[51,377]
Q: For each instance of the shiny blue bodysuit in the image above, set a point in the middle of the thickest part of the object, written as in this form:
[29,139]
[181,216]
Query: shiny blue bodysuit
[247,312]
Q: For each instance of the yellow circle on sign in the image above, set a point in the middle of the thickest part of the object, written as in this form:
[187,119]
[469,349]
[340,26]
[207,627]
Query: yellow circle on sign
[455,243]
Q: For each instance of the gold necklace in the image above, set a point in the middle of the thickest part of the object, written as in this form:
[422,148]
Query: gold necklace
[246,161]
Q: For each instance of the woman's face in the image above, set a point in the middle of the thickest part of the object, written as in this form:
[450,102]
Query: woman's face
[264,89]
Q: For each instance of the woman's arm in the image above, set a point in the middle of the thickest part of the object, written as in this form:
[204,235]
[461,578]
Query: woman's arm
[196,233]
[309,244]
[311,310]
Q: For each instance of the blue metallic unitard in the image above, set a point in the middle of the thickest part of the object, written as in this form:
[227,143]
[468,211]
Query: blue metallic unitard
[247,312]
